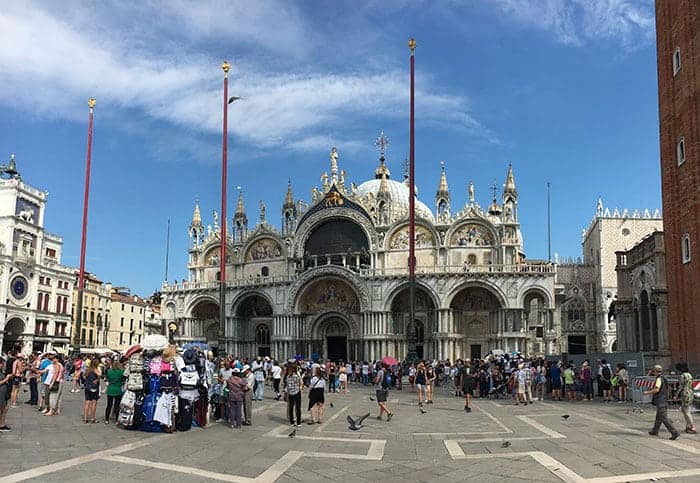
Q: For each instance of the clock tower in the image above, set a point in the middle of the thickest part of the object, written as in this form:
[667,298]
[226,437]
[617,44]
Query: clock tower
[35,289]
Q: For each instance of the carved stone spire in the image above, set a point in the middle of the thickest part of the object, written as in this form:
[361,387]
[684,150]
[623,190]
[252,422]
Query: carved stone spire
[240,220]
[443,190]
[384,188]
[196,216]
[510,182]
[382,143]
[289,197]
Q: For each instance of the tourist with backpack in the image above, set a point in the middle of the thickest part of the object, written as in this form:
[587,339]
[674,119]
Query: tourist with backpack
[382,383]
[659,399]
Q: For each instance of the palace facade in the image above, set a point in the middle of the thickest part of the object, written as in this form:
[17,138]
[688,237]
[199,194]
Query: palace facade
[333,281]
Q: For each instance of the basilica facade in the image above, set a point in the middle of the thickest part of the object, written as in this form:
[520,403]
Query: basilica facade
[333,281]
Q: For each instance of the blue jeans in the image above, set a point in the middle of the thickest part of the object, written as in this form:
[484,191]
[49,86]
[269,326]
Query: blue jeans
[259,389]
[364,379]
[235,408]
[33,392]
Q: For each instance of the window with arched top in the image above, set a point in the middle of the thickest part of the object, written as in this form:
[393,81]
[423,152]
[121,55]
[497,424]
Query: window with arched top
[265,271]
[262,335]
[575,312]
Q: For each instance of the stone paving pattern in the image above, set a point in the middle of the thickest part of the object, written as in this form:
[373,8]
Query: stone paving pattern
[446,444]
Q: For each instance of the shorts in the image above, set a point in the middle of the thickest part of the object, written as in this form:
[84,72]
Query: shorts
[570,387]
[521,388]
[343,377]
[382,395]
[605,385]
[420,387]
[92,396]
[16,380]
[556,385]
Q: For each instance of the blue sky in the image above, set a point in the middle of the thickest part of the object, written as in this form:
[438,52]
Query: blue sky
[564,89]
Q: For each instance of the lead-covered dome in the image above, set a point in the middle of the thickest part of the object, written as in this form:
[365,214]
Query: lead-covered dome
[399,198]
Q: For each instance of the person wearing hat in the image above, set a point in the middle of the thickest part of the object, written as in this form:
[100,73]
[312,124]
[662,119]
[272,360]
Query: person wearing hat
[659,393]
[249,379]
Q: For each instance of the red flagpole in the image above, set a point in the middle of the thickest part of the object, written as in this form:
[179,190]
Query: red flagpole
[223,234]
[81,273]
[412,198]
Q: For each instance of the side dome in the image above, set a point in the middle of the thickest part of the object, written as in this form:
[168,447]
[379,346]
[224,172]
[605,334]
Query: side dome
[399,198]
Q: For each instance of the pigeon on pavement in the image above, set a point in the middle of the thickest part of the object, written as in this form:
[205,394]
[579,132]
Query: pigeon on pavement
[293,433]
[565,417]
[356,424]
[505,444]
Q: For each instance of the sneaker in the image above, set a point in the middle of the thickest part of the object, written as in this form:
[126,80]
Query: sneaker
[389,416]
[219,420]
[674,436]
[5,429]
[653,433]
[379,417]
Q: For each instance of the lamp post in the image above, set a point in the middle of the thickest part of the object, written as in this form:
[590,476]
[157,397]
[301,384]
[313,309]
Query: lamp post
[81,273]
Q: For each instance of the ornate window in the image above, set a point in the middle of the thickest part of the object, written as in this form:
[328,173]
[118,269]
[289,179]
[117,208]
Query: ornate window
[262,335]
[576,315]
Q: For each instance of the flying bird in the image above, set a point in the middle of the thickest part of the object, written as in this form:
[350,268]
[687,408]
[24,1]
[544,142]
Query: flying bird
[565,417]
[232,99]
[505,444]
[293,433]
[371,398]
[356,424]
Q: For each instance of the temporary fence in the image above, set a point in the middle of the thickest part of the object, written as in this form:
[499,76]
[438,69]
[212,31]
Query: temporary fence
[643,384]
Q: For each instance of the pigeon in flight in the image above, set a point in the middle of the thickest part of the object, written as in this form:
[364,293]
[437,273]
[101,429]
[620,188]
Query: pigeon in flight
[371,398]
[356,424]
[232,99]
[293,433]
[565,417]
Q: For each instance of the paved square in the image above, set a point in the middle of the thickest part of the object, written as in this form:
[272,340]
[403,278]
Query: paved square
[599,443]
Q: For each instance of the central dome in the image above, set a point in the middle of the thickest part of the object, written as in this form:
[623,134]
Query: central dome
[399,198]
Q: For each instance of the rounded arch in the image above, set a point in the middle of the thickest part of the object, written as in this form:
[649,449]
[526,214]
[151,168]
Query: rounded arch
[14,329]
[435,299]
[253,305]
[262,246]
[239,298]
[328,294]
[401,225]
[329,271]
[331,323]
[488,286]
[169,311]
[461,231]
[309,225]
[212,252]
[201,300]
[532,292]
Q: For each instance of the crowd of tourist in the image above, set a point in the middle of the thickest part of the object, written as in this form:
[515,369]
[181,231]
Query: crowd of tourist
[236,383]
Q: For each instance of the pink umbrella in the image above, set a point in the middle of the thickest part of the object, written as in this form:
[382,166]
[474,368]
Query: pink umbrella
[390,361]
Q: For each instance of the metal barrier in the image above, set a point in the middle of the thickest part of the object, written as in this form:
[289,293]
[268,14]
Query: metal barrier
[645,383]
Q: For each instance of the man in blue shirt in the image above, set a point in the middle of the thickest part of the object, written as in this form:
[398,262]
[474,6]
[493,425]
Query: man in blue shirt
[43,394]
[555,377]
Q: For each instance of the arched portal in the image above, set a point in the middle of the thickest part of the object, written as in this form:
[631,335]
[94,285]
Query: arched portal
[480,318]
[412,333]
[332,336]
[253,320]
[14,329]
[197,328]
[337,242]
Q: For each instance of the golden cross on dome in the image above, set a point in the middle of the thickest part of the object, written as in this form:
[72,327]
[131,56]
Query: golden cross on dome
[494,188]
[382,142]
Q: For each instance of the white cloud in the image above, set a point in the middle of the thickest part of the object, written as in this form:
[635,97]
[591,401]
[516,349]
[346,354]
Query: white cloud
[50,66]
[576,22]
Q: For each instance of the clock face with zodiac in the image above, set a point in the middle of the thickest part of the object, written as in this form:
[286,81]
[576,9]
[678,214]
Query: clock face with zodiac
[19,287]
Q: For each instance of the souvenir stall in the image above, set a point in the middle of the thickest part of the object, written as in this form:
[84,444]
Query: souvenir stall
[165,391]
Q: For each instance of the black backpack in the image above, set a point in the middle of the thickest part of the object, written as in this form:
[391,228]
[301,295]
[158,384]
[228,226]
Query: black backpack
[607,375]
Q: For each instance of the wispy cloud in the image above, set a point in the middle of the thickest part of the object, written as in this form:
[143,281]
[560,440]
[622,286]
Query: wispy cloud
[50,65]
[577,22]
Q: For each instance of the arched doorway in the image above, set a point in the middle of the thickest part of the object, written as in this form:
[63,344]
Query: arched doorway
[13,335]
[253,318]
[334,333]
[197,329]
[337,242]
[413,332]
[479,317]
[262,339]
